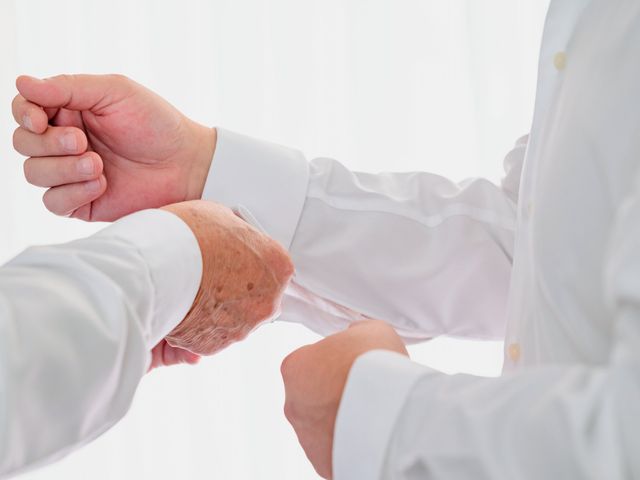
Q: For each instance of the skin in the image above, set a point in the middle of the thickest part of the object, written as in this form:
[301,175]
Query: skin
[104,146]
[245,274]
[314,378]
[164,355]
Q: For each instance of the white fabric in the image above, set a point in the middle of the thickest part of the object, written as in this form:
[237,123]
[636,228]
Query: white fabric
[442,86]
[379,245]
[281,172]
[77,324]
[379,413]
[433,257]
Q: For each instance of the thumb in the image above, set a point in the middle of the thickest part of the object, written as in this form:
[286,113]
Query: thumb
[74,92]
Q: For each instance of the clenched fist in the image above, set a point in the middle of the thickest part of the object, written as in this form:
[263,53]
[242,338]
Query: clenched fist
[105,146]
[244,277]
[314,380]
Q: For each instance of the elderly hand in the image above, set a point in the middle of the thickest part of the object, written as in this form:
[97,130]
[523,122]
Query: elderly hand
[105,146]
[314,379]
[244,276]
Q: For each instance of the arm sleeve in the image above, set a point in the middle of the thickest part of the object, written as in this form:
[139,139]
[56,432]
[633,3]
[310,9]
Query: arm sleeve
[427,255]
[77,323]
[555,421]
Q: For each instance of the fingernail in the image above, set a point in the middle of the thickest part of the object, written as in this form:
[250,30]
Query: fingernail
[69,142]
[92,186]
[26,121]
[86,166]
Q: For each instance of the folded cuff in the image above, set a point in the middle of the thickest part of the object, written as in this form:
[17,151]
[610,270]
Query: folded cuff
[172,254]
[268,180]
[377,388]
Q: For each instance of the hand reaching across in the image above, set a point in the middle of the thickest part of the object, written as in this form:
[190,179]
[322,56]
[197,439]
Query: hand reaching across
[315,377]
[244,277]
[105,146]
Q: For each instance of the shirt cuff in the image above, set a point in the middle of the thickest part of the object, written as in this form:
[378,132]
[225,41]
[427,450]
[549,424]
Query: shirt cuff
[268,180]
[172,254]
[377,388]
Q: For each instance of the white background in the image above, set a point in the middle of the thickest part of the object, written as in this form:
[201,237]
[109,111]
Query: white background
[438,85]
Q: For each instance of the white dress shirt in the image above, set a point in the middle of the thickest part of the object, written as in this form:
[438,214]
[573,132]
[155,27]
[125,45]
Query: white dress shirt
[549,261]
[77,324]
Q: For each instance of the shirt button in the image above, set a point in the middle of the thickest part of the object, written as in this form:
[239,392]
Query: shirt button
[560,60]
[529,209]
[513,351]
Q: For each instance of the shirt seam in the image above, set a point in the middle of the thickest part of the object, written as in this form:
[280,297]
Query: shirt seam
[431,221]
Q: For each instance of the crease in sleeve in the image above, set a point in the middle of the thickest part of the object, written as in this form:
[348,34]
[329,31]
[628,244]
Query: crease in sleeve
[430,221]
[377,388]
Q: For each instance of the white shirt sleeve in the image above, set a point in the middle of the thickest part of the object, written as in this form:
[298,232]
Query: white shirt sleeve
[77,323]
[554,421]
[427,255]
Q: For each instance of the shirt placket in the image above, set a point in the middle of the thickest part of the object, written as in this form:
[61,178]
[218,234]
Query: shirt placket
[562,19]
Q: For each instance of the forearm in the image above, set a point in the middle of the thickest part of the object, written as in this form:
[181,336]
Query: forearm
[386,246]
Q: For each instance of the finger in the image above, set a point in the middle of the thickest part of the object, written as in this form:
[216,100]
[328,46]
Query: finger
[29,115]
[83,213]
[75,92]
[65,199]
[67,118]
[56,171]
[174,355]
[164,354]
[156,357]
[55,141]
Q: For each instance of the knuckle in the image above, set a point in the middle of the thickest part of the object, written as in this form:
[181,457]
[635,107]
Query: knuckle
[287,366]
[289,411]
[279,261]
[386,328]
[378,324]
[64,78]
[67,77]
[119,78]
[268,308]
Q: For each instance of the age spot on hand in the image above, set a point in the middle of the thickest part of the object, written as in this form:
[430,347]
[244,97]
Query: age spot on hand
[250,286]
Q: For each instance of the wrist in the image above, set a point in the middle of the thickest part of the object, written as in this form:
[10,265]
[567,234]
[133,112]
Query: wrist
[203,139]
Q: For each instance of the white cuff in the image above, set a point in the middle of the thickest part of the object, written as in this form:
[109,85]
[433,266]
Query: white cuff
[378,385]
[269,180]
[172,254]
